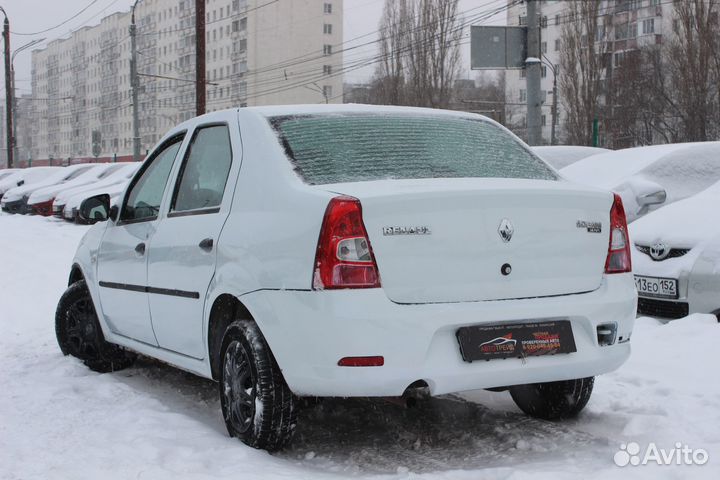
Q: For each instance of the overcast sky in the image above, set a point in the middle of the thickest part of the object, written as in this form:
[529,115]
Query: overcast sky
[28,16]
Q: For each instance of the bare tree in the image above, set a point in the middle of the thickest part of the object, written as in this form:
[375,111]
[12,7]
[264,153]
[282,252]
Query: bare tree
[389,82]
[584,58]
[693,59]
[420,52]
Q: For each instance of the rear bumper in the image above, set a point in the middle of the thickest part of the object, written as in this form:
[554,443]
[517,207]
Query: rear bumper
[309,332]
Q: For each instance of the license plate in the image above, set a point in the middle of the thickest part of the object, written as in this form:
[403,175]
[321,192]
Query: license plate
[488,342]
[656,287]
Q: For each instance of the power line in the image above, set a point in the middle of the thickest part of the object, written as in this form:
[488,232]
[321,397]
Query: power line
[93,2]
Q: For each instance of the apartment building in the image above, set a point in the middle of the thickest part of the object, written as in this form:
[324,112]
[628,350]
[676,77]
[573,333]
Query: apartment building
[258,52]
[630,25]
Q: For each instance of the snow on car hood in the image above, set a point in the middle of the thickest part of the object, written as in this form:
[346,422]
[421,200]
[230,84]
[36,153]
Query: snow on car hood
[687,224]
[19,192]
[683,224]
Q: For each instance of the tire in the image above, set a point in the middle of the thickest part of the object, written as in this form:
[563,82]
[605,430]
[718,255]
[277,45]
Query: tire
[553,400]
[79,334]
[257,405]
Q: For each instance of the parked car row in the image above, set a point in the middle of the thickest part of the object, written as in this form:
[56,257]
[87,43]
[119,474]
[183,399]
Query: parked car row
[671,194]
[59,191]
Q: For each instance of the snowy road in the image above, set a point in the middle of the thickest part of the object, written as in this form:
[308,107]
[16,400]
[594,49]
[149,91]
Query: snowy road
[59,420]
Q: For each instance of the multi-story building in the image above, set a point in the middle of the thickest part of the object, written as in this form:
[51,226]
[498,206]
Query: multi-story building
[258,52]
[630,25]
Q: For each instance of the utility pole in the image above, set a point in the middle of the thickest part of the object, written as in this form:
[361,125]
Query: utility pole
[8,92]
[135,86]
[200,57]
[533,66]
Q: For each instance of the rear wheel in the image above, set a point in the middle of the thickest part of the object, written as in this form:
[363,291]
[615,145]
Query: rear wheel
[553,400]
[79,334]
[257,405]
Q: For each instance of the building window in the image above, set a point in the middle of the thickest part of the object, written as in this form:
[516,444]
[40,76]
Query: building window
[327,8]
[543,21]
[648,26]
[543,71]
[327,28]
[523,73]
[327,92]
[327,69]
[523,95]
[557,44]
[327,49]
[557,19]
[543,47]
[543,120]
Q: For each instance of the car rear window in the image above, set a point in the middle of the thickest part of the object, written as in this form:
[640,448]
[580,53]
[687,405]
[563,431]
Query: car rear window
[339,148]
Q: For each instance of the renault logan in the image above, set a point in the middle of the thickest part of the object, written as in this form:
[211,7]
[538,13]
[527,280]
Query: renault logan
[353,251]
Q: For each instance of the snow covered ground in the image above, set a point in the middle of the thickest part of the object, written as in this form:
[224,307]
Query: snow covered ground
[59,420]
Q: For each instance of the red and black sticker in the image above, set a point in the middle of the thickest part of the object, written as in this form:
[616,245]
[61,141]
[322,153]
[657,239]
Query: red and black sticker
[488,342]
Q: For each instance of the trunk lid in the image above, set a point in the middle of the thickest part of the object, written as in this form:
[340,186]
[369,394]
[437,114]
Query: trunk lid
[441,240]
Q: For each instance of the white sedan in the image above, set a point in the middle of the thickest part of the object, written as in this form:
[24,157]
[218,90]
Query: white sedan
[353,251]
[676,258]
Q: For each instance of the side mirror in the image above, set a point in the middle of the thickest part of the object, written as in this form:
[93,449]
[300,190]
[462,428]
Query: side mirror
[95,209]
[653,198]
[21,183]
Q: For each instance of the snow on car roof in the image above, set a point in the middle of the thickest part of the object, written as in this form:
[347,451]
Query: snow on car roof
[280,110]
[607,170]
[560,156]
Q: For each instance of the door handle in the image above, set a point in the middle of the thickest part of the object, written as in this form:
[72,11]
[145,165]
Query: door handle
[140,248]
[206,244]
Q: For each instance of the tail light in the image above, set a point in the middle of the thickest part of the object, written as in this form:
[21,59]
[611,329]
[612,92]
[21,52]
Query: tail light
[618,257]
[344,257]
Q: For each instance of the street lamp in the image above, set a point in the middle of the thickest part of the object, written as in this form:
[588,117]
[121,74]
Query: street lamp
[14,96]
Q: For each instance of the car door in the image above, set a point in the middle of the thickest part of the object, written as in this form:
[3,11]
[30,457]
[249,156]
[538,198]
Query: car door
[182,254]
[122,257]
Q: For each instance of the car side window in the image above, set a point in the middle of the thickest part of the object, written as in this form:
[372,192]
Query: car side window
[144,197]
[203,175]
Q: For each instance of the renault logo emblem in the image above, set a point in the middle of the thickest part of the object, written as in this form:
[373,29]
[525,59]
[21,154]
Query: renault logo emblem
[506,230]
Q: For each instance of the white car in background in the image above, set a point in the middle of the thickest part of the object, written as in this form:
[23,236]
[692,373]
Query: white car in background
[359,251]
[676,259]
[650,177]
[113,174]
[16,199]
[560,156]
[41,200]
[24,177]
[114,190]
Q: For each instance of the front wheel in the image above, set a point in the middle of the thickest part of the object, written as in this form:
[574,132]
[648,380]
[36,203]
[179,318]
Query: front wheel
[553,400]
[79,334]
[257,405]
